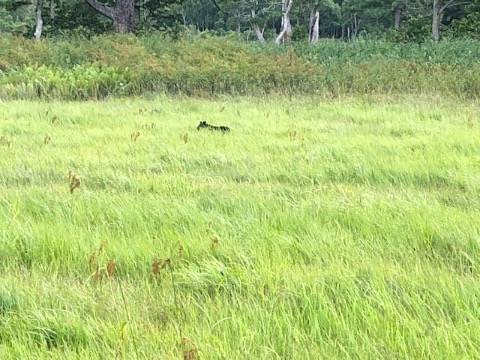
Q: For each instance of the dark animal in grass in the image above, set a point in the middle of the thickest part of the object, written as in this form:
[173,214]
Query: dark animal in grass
[204,125]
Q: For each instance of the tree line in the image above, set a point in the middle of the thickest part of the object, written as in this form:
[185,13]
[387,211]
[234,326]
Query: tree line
[261,20]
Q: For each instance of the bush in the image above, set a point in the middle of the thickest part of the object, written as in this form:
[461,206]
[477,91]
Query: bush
[205,65]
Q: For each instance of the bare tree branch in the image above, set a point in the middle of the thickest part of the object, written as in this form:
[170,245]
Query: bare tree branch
[218,7]
[103,9]
[451,4]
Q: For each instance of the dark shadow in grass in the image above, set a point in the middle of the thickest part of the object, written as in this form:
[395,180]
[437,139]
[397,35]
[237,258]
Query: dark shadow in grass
[440,302]
[456,254]
[217,166]
[463,201]
[60,335]
[19,251]
[429,180]
[399,133]
[8,302]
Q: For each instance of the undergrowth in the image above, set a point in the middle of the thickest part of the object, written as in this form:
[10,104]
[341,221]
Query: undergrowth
[64,68]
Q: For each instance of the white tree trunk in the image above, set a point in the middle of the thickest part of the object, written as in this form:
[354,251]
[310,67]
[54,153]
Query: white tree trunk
[256,28]
[259,33]
[313,27]
[286,31]
[355,25]
[38,20]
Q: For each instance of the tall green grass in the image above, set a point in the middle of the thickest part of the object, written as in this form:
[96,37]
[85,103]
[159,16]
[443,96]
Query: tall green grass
[314,229]
[204,66]
[459,52]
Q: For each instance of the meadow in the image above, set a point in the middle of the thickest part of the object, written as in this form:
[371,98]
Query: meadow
[318,228]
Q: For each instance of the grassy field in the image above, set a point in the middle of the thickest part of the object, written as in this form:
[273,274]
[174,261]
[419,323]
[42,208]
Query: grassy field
[315,229]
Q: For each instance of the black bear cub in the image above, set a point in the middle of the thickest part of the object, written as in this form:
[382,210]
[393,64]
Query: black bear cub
[204,125]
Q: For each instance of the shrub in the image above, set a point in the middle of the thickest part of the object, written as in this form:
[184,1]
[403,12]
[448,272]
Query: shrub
[122,65]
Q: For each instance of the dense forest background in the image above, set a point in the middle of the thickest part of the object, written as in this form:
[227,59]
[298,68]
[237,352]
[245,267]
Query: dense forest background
[259,20]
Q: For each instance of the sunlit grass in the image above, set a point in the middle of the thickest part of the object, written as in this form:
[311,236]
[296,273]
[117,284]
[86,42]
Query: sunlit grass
[314,229]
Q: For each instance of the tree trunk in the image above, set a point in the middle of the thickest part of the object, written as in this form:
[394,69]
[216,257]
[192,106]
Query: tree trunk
[184,15]
[398,17]
[355,25]
[38,20]
[256,28]
[436,20]
[52,9]
[125,12]
[122,14]
[286,30]
[259,33]
[313,27]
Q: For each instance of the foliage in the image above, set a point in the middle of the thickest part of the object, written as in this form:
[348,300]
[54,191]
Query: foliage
[203,65]
[79,83]
[465,52]
[155,15]
[75,17]
[468,25]
[345,19]
[15,17]
[416,29]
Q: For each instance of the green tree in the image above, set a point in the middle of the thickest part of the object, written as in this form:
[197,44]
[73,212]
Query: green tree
[247,14]
[71,15]
[468,24]
[439,7]
[15,16]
